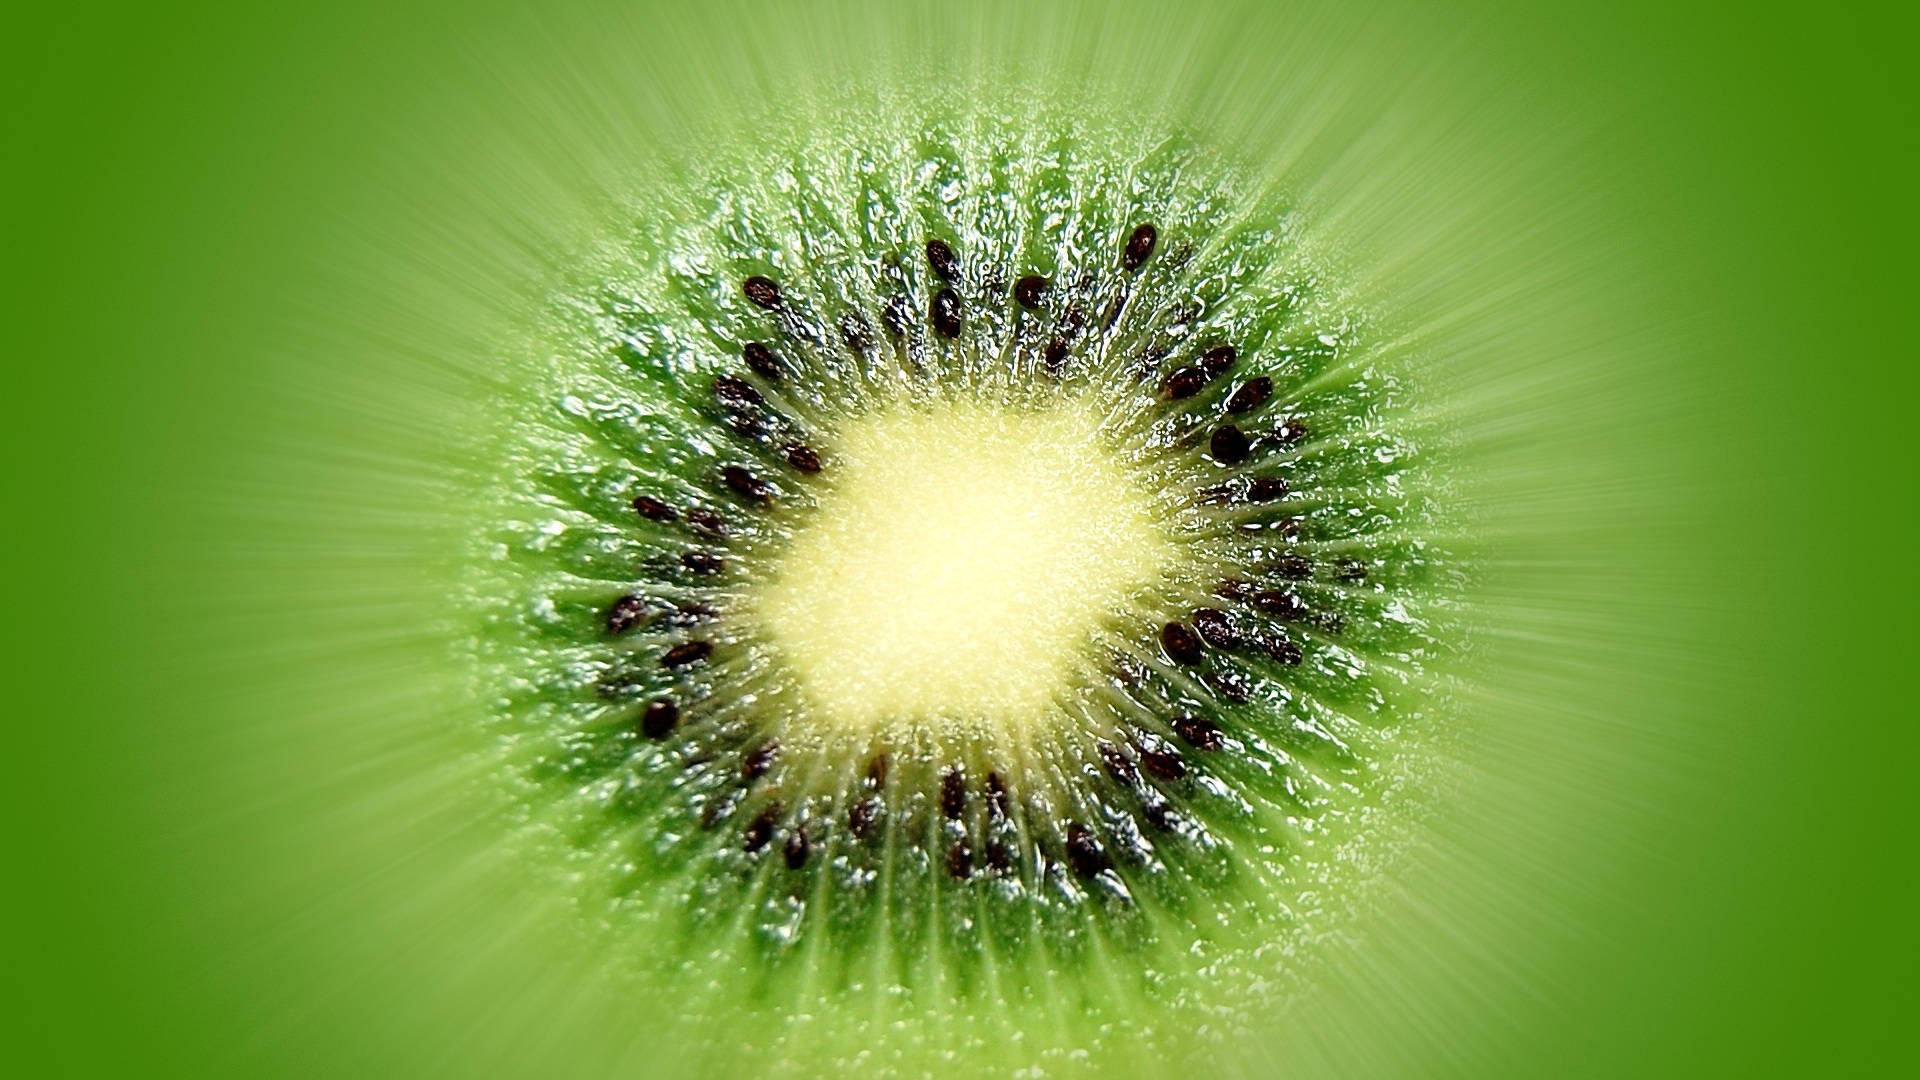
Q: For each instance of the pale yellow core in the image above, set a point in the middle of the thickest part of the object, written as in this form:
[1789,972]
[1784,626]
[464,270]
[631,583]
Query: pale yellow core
[959,565]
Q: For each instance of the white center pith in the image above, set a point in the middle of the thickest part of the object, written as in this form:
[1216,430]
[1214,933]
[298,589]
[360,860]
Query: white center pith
[961,561]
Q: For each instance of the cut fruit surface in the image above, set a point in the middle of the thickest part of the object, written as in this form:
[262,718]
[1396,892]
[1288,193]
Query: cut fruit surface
[960,566]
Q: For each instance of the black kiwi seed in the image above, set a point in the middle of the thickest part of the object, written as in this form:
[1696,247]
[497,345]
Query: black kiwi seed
[1230,685]
[999,857]
[1288,432]
[1294,567]
[1181,644]
[654,510]
[625,614]
[1030,291]
[707,521]
[760,760]
[1083,851]
[877,771]
[953,793]
[1229,445]
[945,313]
[996,796]
[1252,394]
[1218,360]
[1198,732]
[1215,629]
[686,655]
[1119,765]
[746,483]
[763,361]
[1056,355]
[760,830]
[804,458]
[703,562]
[1139,247]
[762,292]
[1282,649]
[736,393]
[855,332]
[661,717]
[1184,383]
[898,314]
[1280,604]
[940,257]
[863,816]
[960,861]
[1265,489]
[1233,589]
[797,849]
[1163,763]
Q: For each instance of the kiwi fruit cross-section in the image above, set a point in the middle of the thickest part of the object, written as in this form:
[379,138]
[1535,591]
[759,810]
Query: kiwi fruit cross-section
[953,557]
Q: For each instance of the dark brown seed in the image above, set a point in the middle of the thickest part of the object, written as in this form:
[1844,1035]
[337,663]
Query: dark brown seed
[1183,383]
[797,849]
[1181,644]
[1228,445]
[625,614]
[1074,321]
[1266,489]
[661,717]
[940,257]
[804,458]
[1294,567]
[1031,291]
[760,760]
[953,793]
[959,862]
[763,361]
[863,816]
[760,831]
[654,510]
[945,312]
[707,521]
[746,484]
[1083,851]
[736,393]
[703,562]
[1279,604]
[1234,590]
[691,613]
[898,314]
[1282,649]
[1159,815]
[1352,570]
[1198,732]
[1139,247]
[877,771]
[1252,394]
[762,292]
[1163,763]
[1056,355]
[1290,432]
[1231,685]
[686,655]
[1218,360]
[1119,765]
[996,796]
[1215,628]
[855,332]
[999,857]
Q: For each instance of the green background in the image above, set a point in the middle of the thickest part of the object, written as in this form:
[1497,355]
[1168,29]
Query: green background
[254,257]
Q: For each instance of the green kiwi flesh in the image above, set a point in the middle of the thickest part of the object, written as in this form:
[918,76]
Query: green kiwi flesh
[1155,840]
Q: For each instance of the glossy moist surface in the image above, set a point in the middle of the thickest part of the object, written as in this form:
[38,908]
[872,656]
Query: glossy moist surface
[1218,767]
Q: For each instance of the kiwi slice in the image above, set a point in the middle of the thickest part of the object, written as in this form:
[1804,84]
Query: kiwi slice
[965,579]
